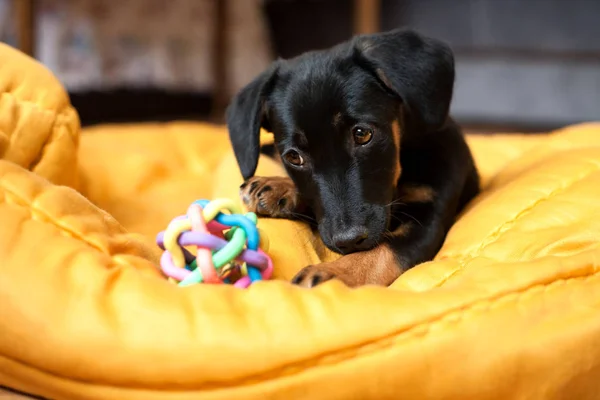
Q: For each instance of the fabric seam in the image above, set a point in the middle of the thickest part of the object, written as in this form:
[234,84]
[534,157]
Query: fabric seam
[58,120]
[48,219]
[502,229]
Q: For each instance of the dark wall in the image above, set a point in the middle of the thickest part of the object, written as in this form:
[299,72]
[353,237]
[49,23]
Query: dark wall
[299,26]
[521,64]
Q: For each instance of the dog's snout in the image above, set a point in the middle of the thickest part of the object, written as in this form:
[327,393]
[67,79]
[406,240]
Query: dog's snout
[349,240]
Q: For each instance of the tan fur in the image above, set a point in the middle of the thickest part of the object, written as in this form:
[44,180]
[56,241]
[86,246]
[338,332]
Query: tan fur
[397,135]
[383,78]
[337,118]
[402,230]
[376,267]
[416,194]
[272,196]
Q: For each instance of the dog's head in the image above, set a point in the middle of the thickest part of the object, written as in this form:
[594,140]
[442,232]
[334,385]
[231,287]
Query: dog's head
[339,117]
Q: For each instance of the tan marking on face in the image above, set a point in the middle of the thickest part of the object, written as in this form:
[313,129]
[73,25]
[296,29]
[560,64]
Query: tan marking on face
[416,194]
[397,134]
[377,266]
[337,119]
[401,231]
[384,78]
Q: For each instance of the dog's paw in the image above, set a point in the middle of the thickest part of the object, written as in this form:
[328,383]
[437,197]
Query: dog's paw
[313,275]
[270,196]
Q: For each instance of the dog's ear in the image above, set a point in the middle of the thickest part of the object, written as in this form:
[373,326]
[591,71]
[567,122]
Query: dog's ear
[418,69]
[245,116]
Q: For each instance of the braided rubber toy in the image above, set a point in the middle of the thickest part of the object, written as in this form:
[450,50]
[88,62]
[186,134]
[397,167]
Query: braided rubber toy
[227,246]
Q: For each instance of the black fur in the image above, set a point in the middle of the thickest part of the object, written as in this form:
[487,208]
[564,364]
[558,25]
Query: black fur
[312,102]
[245,116]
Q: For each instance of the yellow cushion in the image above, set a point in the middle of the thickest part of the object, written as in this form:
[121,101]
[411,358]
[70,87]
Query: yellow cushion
[509,308]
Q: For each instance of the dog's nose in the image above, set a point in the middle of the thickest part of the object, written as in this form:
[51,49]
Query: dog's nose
[349,240]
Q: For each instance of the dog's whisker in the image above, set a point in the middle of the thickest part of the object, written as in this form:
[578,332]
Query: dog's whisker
[396,218]
[396,202]
[411,217]
[303,218]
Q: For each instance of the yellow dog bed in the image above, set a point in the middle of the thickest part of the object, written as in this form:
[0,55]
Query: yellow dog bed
[508,310]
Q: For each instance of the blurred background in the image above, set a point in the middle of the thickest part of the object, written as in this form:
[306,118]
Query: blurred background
[522,65]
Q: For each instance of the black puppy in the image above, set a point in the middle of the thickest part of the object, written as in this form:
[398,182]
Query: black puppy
[372,155]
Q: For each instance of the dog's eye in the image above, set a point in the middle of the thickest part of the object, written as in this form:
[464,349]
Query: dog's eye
[362,135]
[294,158]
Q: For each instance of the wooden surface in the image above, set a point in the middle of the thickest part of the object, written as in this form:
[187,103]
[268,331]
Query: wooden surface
[219,62]
[367,16]
[25,29]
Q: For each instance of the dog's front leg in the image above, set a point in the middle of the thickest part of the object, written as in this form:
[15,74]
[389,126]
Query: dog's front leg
[378,266]
[408,245]
[272,196]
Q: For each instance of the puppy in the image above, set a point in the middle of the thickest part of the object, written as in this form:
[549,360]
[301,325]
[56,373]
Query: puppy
[373,158]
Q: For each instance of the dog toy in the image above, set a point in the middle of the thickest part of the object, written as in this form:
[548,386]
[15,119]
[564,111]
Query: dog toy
[227,246]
